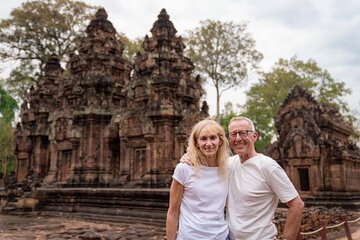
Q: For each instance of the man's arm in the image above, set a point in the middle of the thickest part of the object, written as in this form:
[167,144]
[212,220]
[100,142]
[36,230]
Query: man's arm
[293,220]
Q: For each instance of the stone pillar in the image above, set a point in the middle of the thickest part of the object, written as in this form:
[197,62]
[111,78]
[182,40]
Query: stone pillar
[105,163]
[124,166]
[324,171]
[53,170]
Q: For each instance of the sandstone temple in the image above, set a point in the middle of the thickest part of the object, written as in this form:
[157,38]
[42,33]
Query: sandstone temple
[314,148]
[108,122]
[108,132]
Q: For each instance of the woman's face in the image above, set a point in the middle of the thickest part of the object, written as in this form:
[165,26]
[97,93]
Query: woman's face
[208,142]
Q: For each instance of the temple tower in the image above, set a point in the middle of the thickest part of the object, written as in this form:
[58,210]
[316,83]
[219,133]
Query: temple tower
[95,126]
[31,135]
[165,104]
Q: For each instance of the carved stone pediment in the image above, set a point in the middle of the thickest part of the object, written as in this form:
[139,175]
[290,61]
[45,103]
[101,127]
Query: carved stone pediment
[313,145]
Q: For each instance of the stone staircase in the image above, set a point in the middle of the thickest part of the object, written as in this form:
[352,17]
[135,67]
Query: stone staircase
[346,200]
[8,206]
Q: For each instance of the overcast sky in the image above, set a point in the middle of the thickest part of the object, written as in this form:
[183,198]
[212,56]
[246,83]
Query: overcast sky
[324,30]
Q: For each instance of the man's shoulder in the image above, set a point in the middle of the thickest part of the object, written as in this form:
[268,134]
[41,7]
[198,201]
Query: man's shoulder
[264,158]
[232,159]
[265,162]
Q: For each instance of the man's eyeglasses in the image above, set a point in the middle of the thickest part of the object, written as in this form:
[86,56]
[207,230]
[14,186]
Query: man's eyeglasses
[242,133]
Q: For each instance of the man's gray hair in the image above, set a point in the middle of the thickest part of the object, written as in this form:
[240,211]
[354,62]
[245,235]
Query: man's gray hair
[242,118]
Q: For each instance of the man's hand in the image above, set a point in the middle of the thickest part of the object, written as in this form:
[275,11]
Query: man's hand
[186,159]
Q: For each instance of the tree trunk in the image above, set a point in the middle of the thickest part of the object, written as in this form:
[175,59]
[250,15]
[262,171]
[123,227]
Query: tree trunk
[217,103]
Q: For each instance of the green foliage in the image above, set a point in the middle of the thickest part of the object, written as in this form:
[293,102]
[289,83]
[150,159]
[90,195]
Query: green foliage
[7,158]
[228,114]
[7,106]
[20,80]
[10,166]
[39,29]
[265,98]
[224,53]
[132,46]
[355,134]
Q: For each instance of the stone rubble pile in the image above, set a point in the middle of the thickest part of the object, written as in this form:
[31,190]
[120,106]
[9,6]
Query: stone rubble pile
[312,217]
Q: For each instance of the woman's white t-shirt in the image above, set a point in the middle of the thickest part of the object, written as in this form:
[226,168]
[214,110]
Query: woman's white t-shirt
[203,202]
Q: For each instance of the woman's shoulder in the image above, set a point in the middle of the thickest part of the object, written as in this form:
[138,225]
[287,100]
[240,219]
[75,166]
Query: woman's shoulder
[183,172]
[184,166]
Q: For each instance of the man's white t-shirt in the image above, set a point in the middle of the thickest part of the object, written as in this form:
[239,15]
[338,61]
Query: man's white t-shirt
[203,202]
[255,188]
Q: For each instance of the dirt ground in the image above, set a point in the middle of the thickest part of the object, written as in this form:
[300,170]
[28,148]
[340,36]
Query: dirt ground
[38,227]
[341,235]
[60,228]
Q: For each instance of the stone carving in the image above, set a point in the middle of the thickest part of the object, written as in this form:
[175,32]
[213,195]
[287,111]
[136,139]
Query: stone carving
[10,187]
[314,147]
[97,126]
[29,183]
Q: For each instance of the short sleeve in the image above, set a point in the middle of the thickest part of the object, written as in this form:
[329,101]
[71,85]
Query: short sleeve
[182,173]
[281,185]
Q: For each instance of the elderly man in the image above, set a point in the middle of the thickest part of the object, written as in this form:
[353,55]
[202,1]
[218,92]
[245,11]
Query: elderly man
[256,184]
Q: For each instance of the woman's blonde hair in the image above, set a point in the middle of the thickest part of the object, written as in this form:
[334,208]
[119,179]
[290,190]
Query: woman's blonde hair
[196,156]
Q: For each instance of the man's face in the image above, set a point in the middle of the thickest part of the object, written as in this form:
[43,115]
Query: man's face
[242,138]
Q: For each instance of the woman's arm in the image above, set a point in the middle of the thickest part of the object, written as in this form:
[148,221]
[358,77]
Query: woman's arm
[172,218]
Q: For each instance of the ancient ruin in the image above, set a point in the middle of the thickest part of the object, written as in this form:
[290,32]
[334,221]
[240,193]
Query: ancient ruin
[107,122]
[104,135]
[314,148]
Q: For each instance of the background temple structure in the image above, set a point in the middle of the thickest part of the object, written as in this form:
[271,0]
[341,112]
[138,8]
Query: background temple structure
[97,125]
[314,148]
[104,134]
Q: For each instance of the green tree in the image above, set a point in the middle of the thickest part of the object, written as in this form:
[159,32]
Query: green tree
[353,119]
[265,98]
[223,52]
[7,159]
[8,106]
[227,115]
[37,30]
[132,47]
[20,80]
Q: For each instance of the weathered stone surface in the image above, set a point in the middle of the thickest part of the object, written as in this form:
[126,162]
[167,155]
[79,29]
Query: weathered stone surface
[54,228]
[314,148]
[94,125]
[312,218]
[67,227]
[166,100]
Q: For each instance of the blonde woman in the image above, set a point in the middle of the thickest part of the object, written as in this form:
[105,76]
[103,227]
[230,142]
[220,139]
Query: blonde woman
[198,192]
